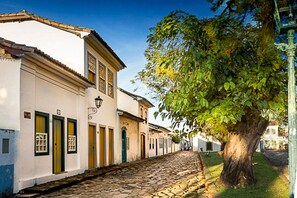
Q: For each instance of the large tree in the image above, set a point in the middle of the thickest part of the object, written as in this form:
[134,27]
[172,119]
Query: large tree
[217,75]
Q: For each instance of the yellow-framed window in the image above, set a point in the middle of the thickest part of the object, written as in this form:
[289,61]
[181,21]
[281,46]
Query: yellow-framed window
[110,83]
[102,78]
[91,68]
[41,133]
[72,136]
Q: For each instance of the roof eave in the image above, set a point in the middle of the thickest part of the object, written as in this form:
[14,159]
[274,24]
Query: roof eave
[129,115]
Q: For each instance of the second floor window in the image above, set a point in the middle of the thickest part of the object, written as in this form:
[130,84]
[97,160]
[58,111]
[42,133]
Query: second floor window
[110,83]
[102,78]
[145,116]
[91,68]
[141,112]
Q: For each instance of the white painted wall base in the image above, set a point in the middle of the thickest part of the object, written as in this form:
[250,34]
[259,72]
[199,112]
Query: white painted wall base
[25,183]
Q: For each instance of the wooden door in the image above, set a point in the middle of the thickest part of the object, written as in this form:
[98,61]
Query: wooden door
[92,146]
[157,147]
[111,145]
[166,146]
[102,145]
[163,146]
[58,145]
[142,148]
[124,146]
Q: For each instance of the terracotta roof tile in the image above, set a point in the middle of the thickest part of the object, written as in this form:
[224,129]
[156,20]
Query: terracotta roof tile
[24,15]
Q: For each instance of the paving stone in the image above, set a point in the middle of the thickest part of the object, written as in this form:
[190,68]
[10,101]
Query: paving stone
[172,175]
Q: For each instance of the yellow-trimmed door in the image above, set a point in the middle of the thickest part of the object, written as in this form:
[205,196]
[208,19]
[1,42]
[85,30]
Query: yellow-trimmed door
[92,150]
[102,146]
[111,145]
[58,154]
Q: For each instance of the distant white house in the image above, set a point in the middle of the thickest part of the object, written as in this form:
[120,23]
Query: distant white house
[272,140]
[160,141]
[203,143]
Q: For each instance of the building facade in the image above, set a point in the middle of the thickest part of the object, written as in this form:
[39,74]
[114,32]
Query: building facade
[133,111]
[272,140]
[50,126]
[160,141]
[48,114]
[48,99]
[203,143]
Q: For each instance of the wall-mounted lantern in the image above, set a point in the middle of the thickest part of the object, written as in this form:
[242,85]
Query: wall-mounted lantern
[93,110]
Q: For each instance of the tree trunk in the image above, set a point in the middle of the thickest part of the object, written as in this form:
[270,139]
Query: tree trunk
[239,150]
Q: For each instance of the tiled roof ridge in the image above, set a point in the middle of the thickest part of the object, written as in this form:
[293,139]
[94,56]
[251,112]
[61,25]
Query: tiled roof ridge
[25,15]
[14,45]
[30,49]
[158,126]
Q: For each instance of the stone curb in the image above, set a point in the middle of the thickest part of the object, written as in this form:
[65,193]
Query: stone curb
[281,174]
[210,187]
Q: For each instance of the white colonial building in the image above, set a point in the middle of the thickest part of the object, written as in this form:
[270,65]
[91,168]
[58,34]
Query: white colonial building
[203,143]
[48,104]
[160,141]
[133,111]
[43,101]
[272,140]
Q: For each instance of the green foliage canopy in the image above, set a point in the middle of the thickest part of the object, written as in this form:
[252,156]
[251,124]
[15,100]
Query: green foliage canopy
[210,73]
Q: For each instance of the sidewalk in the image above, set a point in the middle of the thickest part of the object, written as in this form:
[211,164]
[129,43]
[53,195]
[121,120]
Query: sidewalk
[279,159]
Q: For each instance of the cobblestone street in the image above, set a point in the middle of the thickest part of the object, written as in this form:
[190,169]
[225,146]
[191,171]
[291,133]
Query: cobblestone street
[144,178]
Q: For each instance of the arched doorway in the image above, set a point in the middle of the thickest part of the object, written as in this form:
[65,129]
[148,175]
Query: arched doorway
[142,146]
[124,145]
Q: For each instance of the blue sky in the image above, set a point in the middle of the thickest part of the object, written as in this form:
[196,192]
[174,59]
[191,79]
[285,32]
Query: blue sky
[123,24]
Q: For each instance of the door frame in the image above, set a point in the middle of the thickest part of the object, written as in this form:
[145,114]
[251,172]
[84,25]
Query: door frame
[55,117]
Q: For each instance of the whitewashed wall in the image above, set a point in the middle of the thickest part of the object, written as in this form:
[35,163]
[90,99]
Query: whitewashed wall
[42,91]
[10,94]
[107,113]
[153,151]
[61,45]
[199,141]
[171,146]
[127,103]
